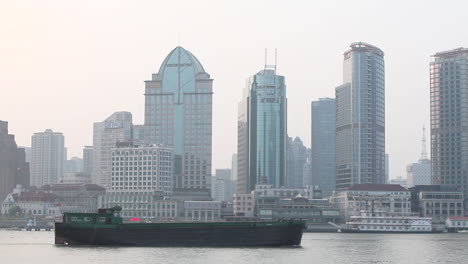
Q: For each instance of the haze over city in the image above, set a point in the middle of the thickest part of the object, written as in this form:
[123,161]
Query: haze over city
[66,66]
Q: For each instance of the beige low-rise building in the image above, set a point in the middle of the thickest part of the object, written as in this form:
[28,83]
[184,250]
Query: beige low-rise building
[389,198]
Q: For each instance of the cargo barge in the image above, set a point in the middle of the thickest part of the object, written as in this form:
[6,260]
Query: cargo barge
[106,228]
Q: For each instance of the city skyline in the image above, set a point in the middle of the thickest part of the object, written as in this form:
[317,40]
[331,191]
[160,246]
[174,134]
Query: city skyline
[118,77]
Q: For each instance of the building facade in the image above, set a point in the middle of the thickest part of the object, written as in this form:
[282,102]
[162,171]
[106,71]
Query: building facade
[116,128]
[437,201]
[178,114]
[145,204]
[297,156]
[323,159]
[387,198]
[47,158]
[449,119]
[13,167]
[142,168]
[360,118]
[88,160]
[262,132]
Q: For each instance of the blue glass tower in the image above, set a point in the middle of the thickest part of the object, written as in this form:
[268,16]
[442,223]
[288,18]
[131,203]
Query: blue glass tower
[178,113]
[262,132]
[323,113]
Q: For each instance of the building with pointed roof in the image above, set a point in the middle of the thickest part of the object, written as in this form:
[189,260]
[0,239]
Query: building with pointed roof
[178,114]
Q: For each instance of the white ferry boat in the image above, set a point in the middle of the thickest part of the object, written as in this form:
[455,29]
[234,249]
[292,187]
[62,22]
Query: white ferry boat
[381,222]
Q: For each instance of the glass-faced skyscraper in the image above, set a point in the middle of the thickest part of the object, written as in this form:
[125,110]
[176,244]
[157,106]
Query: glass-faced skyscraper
[178,114]
[449,119]
[262,135]
[323,167]
[360,117]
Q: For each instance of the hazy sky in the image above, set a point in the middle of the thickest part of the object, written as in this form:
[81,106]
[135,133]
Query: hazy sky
[67,64]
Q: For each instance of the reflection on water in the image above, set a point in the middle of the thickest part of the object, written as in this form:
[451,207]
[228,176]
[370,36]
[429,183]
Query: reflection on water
[37,247]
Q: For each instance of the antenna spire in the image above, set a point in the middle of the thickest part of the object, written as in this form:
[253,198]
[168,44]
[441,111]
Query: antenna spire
[424,152]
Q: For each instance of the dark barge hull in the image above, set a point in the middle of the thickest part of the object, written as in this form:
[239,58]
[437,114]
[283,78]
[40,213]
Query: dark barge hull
[221,234]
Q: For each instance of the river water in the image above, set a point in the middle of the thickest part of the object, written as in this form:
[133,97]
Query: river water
[37,247]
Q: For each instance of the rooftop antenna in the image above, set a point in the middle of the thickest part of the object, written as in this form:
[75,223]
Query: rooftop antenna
[276,56]
[178,39]
[266,55]
[424,152]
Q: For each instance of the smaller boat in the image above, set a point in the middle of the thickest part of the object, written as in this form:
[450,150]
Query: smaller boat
[382,222]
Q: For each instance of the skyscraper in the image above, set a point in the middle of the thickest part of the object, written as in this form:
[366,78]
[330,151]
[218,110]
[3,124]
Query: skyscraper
[360,117]
[295,162]
[178,114]
[323,144]
[47,157]
[88,160]
[449,119]
[115,129]
[262,132]
[13,167]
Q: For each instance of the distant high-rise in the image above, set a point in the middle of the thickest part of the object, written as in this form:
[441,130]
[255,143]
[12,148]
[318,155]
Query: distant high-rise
[47,157]
[262,132]
[360,118]
[13,167]
[147,168]
[234,167]
[449,119]
[178,114]
[295,162]
[115,129]
[88,160]
[222,186]
[307,168]
[420,173]
[323,144]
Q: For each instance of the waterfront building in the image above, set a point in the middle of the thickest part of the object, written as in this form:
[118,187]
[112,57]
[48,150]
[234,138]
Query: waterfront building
[317,212]
[323,113]
[178,114]
[55,199]
[88,160]
[297,155]
[420,173]
[222,187]
[437,201]
[145,204]
[76,197]
[142,168]
[202,210]
[47,158]
[106,134]
[360,118]
[449,119]
[39,204]
[13,167]
[244,204]
[386,198]
[262,132]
